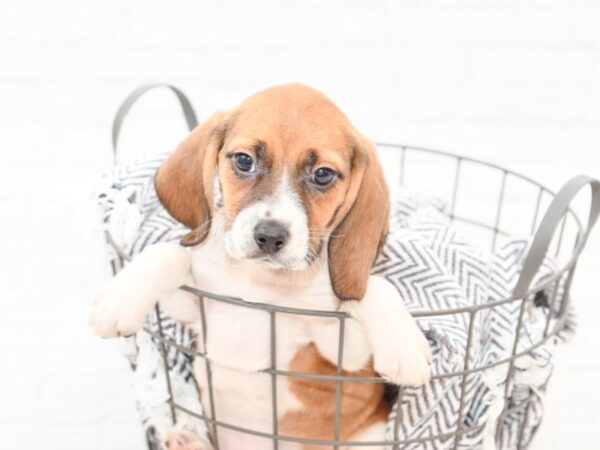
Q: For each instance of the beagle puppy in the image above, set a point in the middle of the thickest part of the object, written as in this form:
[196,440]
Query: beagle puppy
[287,205]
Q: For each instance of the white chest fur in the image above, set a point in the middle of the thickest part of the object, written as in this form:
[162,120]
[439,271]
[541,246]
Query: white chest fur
[238,340]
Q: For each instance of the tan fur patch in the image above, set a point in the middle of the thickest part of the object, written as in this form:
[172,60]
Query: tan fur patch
[183,182]
[362,403]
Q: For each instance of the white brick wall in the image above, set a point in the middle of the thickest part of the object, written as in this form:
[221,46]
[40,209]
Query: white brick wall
[513,81]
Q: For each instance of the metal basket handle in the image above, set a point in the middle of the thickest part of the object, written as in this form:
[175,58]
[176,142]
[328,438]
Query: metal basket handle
[190,118]
[184,102]
[548,226]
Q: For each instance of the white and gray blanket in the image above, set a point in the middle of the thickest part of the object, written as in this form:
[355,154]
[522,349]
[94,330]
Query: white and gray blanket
[434,267]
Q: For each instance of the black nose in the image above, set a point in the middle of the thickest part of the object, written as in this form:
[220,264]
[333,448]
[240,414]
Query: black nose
[270,236]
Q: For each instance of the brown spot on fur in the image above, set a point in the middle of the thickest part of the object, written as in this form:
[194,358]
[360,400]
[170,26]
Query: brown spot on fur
[311,158]
[362,404]
[196,236]
[355,243]
[181,182]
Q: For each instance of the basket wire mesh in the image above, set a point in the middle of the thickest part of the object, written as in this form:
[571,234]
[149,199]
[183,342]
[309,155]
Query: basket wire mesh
[559,217]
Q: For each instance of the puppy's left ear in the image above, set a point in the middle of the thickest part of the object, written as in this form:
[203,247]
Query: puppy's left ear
[184,181]
[355,243]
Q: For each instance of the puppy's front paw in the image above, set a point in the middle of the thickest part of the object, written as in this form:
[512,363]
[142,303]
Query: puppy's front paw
[183,440]
[405,359]
[115,313]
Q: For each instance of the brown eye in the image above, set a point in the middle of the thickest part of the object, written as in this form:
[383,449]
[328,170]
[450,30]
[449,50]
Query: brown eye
[244,162]
[323,176]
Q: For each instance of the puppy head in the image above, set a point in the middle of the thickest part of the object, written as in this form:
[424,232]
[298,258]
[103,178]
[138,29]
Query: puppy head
[290,178]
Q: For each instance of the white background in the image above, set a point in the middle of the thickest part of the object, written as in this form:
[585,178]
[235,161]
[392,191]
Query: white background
[516,82]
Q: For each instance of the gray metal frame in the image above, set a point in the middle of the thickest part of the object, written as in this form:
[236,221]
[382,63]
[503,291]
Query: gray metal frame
[557,215]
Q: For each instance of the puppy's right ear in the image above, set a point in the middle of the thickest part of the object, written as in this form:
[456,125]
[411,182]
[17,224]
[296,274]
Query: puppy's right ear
[184,181]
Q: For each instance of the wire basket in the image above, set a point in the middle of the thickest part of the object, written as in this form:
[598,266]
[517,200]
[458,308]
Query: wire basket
[559,231]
